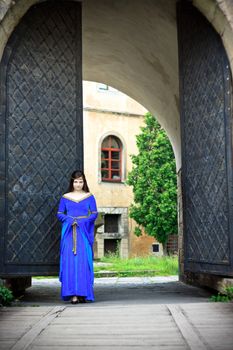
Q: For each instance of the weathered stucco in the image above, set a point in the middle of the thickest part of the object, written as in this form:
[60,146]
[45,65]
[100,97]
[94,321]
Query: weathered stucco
[132,45]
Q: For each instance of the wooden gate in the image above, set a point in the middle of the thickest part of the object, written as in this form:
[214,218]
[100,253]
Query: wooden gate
[41,136]
[206,117]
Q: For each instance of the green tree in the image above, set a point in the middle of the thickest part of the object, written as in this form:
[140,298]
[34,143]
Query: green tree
[153,178]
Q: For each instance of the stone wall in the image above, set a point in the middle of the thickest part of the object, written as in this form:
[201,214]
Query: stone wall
[122,234]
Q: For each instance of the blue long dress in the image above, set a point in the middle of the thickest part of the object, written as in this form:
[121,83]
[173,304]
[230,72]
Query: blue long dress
[76,248]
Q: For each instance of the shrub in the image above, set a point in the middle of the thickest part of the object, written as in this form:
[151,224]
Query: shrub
[225,297]
[6,296]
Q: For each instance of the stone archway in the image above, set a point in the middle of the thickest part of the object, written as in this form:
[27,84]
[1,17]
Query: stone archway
[145,35]
[130,44]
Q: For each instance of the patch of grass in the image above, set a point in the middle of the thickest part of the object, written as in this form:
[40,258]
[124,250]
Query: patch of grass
[224,297]
[140,266]
[136,266]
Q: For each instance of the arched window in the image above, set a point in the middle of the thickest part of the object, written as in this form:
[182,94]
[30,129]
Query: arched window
[111,159]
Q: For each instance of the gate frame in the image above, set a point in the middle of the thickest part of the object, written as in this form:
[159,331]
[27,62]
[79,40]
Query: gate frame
[195,268]
[12,270]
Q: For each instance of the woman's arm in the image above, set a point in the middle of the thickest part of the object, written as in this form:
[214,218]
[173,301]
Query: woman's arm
[61,213]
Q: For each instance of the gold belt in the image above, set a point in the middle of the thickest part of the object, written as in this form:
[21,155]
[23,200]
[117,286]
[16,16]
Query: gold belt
[74,226]
[74,229]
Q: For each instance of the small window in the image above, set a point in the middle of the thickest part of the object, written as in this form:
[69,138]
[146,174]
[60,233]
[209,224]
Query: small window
[111,159]
[111,223]
[111,246]
[102,87]
[155,247]
[106,88]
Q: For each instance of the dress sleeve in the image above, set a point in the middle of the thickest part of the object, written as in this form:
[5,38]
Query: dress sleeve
[87,223]
[93,209]
[62,210]
[93,213]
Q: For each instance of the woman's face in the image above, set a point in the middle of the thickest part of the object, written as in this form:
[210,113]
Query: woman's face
[78,184]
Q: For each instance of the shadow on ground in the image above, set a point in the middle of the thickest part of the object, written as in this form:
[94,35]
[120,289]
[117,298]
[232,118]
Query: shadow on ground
[134,290]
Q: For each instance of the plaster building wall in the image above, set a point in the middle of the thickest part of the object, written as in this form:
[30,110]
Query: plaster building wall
[110,112]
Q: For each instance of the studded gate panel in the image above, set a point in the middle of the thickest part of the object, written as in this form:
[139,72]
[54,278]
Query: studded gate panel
[41,133]
[205,94]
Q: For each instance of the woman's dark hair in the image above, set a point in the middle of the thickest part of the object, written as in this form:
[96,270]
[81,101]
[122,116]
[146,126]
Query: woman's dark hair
[75,175]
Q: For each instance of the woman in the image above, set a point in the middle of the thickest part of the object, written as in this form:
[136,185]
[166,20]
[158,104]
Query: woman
[77,211]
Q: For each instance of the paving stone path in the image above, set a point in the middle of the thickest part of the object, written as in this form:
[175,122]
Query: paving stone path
[129,313]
